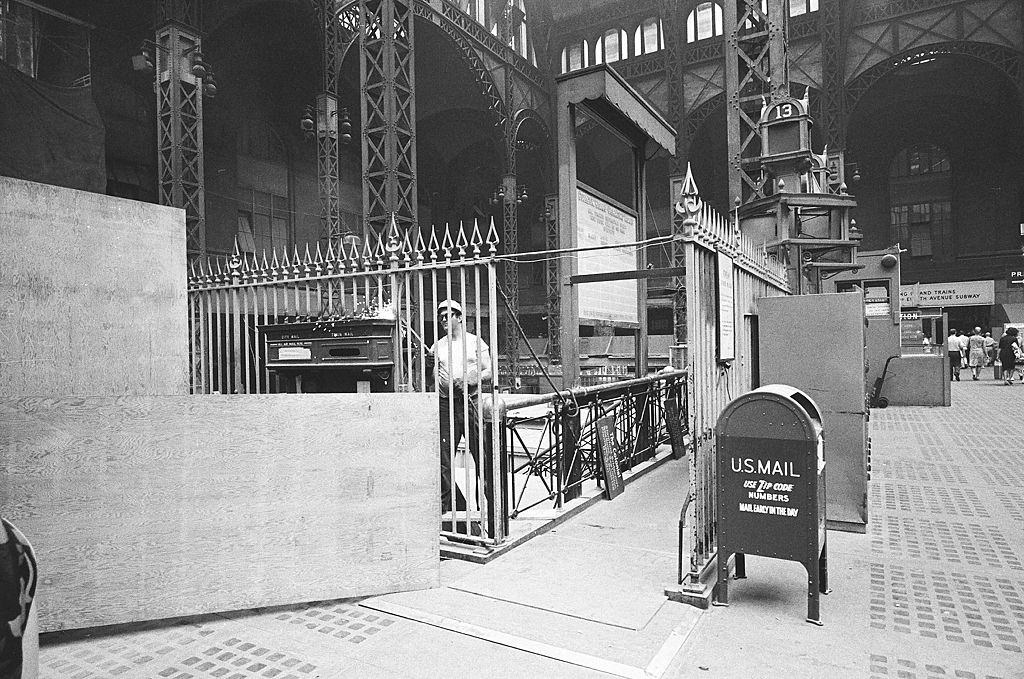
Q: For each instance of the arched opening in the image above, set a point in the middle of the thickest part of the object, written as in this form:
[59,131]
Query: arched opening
[960,119]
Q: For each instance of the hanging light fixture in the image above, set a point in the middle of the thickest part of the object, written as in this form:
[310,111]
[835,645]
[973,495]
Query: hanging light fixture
[344,126]
[142,61]
[209,83]
[199,67]
[307,123]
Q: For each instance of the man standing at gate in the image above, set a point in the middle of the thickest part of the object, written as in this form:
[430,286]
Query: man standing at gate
[462,366]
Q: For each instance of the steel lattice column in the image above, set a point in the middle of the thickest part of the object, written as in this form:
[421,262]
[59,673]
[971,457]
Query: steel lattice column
[833,56]
[179,110]
[327,123]
[388,111]
[672,11]
[553,289]
[755,70]
[510,208]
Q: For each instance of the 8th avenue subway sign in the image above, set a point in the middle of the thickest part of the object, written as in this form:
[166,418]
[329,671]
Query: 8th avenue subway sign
[955,293]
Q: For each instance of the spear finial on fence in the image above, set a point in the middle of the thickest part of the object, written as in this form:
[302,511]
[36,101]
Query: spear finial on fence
[265,268]
[367,254]
[419,247]
[353,255]
[218,277]
[275,265]
[307,259]
[406,246]
[433,246]
[235,263]
[689,203]
[446,242]
[394,242]
[492,238]
[477,239]
[318,260]
[295,260]
[461,241]
[286,262]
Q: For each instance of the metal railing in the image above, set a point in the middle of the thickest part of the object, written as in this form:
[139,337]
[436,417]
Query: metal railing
[549,442]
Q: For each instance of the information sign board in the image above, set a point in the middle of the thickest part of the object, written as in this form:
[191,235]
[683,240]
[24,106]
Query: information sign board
[613,485]
[726,309]
[599,222]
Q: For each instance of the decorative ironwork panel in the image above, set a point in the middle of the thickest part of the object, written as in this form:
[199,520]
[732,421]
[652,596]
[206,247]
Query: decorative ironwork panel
[388,110]
[705,50]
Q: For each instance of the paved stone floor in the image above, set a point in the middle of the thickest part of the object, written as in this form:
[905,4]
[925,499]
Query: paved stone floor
[934,589]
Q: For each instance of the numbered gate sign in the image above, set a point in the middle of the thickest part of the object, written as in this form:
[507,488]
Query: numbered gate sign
[771,486]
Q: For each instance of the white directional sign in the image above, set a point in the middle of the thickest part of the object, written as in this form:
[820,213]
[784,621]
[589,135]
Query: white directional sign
[955,293]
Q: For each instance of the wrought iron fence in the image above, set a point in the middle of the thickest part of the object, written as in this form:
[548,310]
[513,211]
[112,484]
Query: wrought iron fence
[237,302]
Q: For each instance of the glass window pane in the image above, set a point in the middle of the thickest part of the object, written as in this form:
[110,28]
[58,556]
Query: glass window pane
[575,57]
[705,17]
[651,42]
[246,241]
[279,234]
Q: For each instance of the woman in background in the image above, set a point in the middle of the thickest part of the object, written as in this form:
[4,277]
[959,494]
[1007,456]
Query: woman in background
[1008,351]
[976,353]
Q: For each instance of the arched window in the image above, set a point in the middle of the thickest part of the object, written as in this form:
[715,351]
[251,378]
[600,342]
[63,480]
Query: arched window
[575,57]
[705,21]
[920,193]
[610,47]
[648,37]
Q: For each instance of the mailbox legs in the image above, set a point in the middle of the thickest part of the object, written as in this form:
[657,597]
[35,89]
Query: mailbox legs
[817,584]
[741,566]
[723,579]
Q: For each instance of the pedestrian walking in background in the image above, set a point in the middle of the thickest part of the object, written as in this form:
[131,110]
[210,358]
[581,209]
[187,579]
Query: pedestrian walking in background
[1009,351]
[955,353]
[990,349]
[976,353]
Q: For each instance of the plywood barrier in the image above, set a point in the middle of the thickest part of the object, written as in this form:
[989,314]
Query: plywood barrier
[93,294]
[151,507]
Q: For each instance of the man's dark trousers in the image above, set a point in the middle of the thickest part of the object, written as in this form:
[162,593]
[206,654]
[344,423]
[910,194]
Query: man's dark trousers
[454,408]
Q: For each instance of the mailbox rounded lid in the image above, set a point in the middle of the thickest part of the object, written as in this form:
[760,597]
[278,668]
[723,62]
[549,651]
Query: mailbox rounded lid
[776,411]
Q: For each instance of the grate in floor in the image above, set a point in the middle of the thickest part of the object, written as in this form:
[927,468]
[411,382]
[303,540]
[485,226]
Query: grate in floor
[895,496]
[1002,476]
[885,667]
[955,542]
[238,659]
[957,607]
[114,656]
[186,650]
[351,623]
[1012,502]
[927,471]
